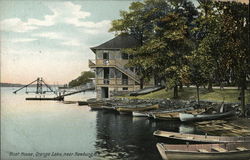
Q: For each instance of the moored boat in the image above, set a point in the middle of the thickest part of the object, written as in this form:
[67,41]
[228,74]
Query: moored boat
[109,108]
[200,138]
[140,114]
[69,102]
[229,151]
[187,117]
[174,115]
[82,103]
[96,107]
[136,107]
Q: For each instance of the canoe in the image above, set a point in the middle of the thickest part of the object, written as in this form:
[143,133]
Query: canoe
[229,151]
[136,107]
[201,138]
[174,115]
[82,103]
[186,117]
[146,90]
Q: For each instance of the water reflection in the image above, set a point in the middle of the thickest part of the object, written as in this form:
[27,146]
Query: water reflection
[48,126]
[127,137]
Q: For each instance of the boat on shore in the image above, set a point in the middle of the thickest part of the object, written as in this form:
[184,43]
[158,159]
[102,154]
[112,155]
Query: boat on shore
[229,151]
[200,138]
[188,117]
[146,90]
[136,107]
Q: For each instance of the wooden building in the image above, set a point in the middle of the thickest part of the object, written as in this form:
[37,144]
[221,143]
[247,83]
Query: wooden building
[112,76]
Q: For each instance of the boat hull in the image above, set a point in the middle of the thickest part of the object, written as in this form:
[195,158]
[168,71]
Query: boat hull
[139,114]
[131,109]
[193,138]
[185,117]
[82,103]
[191,155]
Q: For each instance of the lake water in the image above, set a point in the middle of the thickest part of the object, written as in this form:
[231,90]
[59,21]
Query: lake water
[42,130]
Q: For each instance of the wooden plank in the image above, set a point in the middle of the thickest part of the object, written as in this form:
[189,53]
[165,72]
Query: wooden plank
[219,149]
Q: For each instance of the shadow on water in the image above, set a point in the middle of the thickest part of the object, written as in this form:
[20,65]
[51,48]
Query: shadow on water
[128,137]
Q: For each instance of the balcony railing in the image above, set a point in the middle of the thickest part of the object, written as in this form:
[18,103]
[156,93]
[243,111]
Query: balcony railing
[114,81]
[113,63]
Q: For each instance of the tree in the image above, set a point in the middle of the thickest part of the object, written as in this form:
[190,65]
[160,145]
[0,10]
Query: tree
[222,39]
[173,34]
[82,79]
[139,22]
[236,26]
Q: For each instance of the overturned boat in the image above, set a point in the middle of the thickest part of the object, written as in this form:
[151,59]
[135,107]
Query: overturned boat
[229,151]
[146,90]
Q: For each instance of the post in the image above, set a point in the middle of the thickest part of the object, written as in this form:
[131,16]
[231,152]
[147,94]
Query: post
[198,94]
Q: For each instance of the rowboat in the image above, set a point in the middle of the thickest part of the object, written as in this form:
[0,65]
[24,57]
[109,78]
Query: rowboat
[136,107]
[229,151]
[186,117]
[175,115]
[96,107]
[201,138]
[109,108]
[166,116]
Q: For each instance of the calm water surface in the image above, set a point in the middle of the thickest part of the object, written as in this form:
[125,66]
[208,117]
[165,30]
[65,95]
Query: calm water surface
[53,130]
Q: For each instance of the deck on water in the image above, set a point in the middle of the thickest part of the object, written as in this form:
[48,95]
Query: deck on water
[61,97]
[44,99]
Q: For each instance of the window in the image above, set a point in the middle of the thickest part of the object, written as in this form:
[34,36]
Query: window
[124,79]
[105,55]
[125,88]
[124,56]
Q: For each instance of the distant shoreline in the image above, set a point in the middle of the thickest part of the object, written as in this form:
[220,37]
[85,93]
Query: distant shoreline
[21,85]
[10,85]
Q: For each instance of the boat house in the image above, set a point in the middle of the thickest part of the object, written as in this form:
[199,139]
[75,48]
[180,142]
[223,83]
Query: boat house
[112,75]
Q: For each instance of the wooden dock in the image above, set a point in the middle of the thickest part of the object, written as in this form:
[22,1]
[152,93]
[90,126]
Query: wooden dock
[45,99]
[60,97]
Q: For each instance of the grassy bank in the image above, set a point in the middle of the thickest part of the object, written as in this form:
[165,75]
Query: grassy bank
[230,95]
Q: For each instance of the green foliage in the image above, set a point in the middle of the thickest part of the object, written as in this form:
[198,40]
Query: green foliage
[82,79]
[183,44]
[228,95]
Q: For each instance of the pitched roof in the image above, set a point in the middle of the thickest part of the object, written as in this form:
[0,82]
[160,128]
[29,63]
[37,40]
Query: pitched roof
[119,42]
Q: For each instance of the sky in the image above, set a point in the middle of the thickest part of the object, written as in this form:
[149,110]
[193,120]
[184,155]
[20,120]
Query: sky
[52,39]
